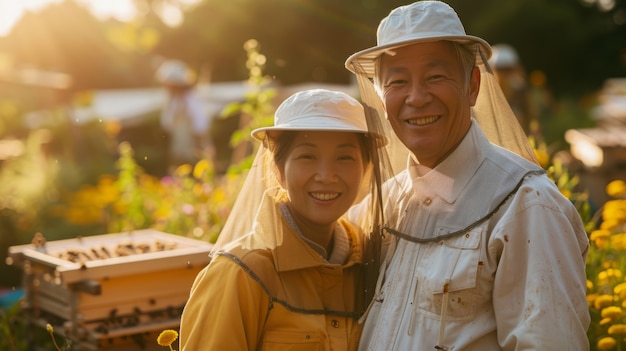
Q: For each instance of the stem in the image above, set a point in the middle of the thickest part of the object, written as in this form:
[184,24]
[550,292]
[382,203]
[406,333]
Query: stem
[55,342]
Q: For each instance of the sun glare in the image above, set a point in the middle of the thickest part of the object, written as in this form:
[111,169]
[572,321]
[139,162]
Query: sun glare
[123,10]
[12,10]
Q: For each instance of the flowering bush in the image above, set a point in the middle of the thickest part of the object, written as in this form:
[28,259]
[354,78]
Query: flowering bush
[606,264]
[190,202]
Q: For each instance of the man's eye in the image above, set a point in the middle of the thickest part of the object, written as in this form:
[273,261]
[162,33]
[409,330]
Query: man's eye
[395,82]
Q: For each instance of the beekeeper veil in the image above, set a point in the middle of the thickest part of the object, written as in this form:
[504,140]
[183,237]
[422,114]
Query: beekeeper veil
[255,220]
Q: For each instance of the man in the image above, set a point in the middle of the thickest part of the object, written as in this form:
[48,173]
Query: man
[482,250]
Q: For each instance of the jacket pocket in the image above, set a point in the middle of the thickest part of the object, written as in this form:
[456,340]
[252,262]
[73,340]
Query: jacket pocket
[450,265]
[291,341]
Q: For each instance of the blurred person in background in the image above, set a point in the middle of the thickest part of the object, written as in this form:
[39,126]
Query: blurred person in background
[513,80]
[184,119]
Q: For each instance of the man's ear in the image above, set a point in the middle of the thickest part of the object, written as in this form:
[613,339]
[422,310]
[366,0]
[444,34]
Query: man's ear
[474,86]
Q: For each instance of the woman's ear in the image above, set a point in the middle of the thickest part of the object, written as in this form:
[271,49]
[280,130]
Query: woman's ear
[281,175]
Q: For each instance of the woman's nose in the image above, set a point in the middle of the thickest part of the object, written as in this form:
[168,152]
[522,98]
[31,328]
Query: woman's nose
[326,172]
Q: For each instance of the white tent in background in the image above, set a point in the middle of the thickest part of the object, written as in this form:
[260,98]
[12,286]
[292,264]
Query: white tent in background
[131,106]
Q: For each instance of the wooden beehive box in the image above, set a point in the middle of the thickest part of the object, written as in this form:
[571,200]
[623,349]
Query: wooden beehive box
[112,285]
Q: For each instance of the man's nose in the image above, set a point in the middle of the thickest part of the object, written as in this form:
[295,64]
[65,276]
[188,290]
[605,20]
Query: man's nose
[418,94]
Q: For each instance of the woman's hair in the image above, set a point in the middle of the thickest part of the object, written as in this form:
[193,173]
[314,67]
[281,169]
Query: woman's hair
[280,144]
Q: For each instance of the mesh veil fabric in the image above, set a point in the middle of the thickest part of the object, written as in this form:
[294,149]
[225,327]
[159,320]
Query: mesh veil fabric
[492,111]
[496,118]
[254,222]
[394,158]
[262,182]
[242,218]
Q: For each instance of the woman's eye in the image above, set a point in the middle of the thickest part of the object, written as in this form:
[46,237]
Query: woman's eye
[305,157]
[349,156]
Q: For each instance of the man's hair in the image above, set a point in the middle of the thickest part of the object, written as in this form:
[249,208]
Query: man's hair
[467,56]
[466,53]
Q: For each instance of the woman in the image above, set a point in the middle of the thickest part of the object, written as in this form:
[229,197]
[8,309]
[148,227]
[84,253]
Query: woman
[293,277]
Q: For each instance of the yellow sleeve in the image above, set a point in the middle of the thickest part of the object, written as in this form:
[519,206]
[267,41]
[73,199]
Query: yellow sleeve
[226,309]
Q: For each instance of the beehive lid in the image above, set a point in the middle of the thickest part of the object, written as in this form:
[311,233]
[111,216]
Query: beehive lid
[109,255]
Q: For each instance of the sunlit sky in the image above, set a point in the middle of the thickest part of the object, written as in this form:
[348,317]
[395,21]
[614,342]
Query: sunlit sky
[123,10]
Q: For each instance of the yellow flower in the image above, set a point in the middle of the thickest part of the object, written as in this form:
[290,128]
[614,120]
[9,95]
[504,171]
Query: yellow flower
[589,284]
[567,193]
[606,343]
[167,337]
[603,301]
[616,188]
[618,241]
[605,321]
[600,237]
[591,298]
[600,233]
[620,290]
[617,329]
[608,263]
[611,273]
[611,312]
[614,210]
[201,167]
[609,224]
[50,330]
[542,157]
[161,213]
[183,170]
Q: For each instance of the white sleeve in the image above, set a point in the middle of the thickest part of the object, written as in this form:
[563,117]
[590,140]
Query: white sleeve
[539,291]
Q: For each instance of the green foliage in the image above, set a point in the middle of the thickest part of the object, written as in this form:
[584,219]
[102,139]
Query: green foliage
[9,121]
[191,201]
[257,109]
[12,331]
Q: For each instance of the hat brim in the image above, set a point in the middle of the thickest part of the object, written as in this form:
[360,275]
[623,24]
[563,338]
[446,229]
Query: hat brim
[273,132]
[367,58]
[261,133]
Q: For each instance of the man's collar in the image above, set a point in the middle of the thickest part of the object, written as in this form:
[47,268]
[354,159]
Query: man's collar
[448,179]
